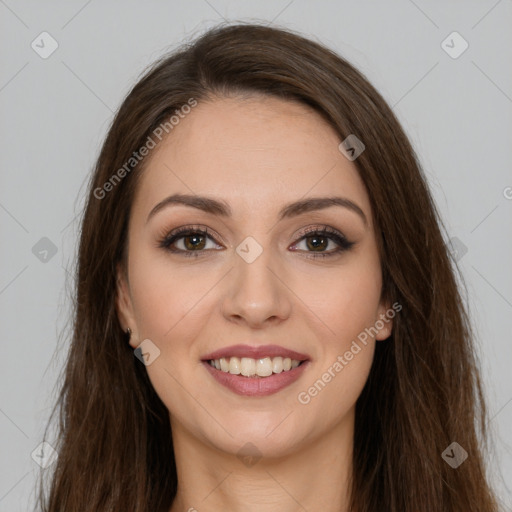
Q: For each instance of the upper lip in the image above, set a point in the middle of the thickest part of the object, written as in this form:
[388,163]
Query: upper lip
[253,352]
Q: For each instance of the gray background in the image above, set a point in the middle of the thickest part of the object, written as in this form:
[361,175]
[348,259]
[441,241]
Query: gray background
[55,113]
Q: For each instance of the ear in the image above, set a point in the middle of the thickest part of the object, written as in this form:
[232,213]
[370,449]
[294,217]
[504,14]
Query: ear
[384,320]
[124,305]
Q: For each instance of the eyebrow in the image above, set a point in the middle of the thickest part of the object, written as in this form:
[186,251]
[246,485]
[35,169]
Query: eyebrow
[222,209]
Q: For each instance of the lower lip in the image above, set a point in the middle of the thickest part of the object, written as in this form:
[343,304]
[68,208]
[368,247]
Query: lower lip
[256,386]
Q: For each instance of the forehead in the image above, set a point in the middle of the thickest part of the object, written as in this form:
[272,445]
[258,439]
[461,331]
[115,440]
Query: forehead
[256,153]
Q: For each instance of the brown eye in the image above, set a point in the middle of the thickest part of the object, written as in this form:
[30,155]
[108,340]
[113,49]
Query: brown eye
[194,242]
[188,241]
[317,241]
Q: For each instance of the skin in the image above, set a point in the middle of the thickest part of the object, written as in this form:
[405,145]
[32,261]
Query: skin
[256,154]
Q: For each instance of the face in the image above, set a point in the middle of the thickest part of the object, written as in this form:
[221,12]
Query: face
[250,270]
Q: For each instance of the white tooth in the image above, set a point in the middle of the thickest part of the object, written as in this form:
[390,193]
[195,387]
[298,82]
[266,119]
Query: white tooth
[224,364]
[212,363]
[247,366]
[264,367]
[234,366]
[277,364]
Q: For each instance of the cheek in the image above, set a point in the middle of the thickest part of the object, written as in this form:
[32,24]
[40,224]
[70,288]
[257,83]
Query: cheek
[349,310]
[168,302]
[346,299]
[347,302]
[166,296]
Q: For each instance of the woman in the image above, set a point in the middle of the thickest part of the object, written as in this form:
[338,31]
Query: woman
[266,313]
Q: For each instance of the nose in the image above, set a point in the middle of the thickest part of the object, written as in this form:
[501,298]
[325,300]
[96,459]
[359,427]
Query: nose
[257,294]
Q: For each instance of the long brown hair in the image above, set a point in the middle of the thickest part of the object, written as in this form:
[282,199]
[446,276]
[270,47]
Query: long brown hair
[423,392]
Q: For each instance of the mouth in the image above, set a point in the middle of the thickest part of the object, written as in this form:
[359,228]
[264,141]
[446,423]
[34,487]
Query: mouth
[255,371]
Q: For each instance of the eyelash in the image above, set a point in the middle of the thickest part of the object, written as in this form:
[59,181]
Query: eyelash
[324,231]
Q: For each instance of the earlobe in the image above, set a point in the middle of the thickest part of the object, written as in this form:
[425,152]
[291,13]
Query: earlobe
[124,306]
[384,322]
[385,332]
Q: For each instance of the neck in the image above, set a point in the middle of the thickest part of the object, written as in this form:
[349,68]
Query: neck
[315,476]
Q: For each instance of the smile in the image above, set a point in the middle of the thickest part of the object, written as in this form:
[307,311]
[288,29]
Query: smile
[252,370]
